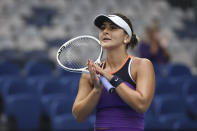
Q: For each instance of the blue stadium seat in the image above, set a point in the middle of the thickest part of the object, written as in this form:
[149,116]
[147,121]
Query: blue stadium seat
[70,79]
[50,91]
[160,69]
[186,125]
[169,109]
[189,27]
[179,81]
[190,87]
[7,79]
[152,123]
[61,73]
[68,122]
[61,106]
[151,119]
[36,80]
[178,69]
[71,84]
[18,87]
[9,68]
[9,54]
[152,108]
[62,118]
[4,81]
[25,110]
[35,68]
[191,105]
[167,87]
[190,97]
[68,84]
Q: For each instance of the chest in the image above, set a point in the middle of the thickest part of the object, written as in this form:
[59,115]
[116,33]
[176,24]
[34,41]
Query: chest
[123,71]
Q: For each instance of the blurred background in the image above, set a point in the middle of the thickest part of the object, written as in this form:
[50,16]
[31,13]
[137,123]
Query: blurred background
[35,94]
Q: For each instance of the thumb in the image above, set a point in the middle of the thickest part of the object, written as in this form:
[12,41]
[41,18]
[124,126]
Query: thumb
[99,70]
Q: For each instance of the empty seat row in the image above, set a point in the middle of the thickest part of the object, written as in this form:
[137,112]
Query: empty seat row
[172,70]
[34,67]
[168,112]
[26,113]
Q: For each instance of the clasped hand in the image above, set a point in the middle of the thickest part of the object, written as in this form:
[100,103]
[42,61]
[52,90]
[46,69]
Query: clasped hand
[95,70]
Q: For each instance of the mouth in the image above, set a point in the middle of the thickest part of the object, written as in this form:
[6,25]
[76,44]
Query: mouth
[106,39]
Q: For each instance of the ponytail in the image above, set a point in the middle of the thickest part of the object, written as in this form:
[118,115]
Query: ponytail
[133,42]
[134,39]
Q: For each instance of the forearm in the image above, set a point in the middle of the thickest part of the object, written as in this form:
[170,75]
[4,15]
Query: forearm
[133,98]
[83,109]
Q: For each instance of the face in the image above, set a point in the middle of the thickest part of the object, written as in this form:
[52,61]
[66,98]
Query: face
[153,33]
[111,35]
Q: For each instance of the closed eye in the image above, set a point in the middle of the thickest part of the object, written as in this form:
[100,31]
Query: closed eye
[110,27]
[102,27]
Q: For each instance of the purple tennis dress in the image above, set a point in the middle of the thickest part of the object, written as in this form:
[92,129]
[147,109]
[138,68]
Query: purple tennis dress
[112,113]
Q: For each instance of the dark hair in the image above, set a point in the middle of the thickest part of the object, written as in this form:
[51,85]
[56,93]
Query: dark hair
[133,42]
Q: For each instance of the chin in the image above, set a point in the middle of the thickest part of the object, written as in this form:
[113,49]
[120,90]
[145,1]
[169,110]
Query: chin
[107,47]
[106,44]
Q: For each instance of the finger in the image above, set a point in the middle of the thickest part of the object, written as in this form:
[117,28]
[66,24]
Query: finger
[91,69]
[98,69]
[89,65]
[93,74]
[102,72]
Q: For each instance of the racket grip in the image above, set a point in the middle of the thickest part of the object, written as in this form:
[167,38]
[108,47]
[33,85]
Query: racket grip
[107,84]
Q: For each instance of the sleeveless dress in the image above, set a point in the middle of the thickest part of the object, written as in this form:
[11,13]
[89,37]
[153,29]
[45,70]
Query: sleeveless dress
[112,113]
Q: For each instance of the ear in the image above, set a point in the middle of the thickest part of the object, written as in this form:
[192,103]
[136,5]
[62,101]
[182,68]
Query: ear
[127,39]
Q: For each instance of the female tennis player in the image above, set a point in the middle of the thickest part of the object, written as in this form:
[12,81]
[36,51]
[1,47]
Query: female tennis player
[132,77]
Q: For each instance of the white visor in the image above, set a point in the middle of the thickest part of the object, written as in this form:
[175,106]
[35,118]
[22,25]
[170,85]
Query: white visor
[114,19]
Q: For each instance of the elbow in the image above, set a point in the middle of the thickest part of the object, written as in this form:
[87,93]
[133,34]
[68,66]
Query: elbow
[77,116]
[141,110]
[142,107]
[79,119]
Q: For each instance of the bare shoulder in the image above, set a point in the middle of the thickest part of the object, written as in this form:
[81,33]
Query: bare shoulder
[142,63]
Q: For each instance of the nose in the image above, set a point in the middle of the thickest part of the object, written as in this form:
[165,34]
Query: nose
[106,30]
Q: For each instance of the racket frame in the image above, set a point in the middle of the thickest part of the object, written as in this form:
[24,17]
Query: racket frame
[81,70]
[103,80]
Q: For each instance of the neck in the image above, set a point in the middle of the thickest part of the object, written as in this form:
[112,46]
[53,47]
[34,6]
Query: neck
[115,58]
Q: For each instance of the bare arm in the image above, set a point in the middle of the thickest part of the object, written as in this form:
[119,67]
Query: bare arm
[140,98]
[87,96]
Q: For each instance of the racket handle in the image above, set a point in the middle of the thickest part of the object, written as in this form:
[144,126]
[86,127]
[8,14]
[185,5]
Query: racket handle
[107,84]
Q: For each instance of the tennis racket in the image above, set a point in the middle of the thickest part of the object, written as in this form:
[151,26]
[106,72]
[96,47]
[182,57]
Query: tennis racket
[74,54]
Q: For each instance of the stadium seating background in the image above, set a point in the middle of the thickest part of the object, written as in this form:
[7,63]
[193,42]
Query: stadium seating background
[36,94]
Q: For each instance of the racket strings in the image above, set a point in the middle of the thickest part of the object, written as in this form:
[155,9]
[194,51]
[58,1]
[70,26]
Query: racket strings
[76,53]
